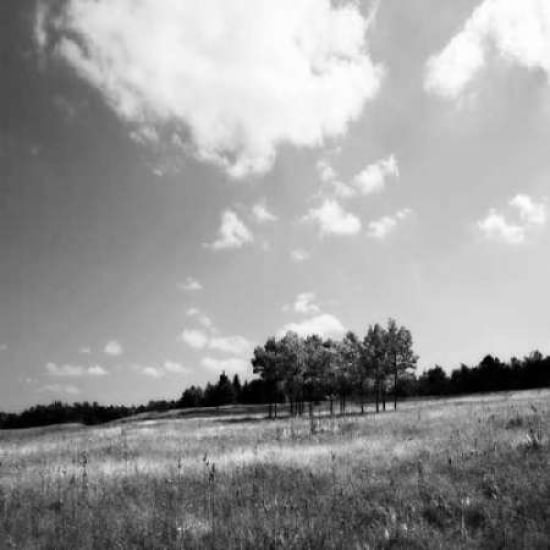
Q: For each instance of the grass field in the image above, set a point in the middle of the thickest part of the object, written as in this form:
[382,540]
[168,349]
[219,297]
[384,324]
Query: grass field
[459,473]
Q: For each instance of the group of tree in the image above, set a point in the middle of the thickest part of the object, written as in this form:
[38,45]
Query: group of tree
[306,370]
[303,371]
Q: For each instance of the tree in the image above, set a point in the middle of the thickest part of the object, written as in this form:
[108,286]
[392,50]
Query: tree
[266,362]
[399,353]
[374,346]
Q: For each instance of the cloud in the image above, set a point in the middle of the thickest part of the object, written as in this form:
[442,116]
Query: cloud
[96,370]
[65,389]
[262,214]
[237,345]
[381,228]
[113,348]
[3,347]
[190,285]
[204,320]
[233,233]
[496,227]
[299,255]
[372,179]
[518,32]
[85,350]
[530,212]
[196,339]
[231,366]
[333,219]
[74,370]
[305,303]
[236,78]
[152,372]
[325,325]
[175,368]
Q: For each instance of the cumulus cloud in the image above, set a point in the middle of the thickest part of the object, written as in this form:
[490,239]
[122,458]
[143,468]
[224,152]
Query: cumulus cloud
[113,348]
[61,389]
[152,372]
[231,365]
[190,285]
[372,179]
[518,32]
[85,350]
[74,370]
[495,227]
[262,214]
[238,78]
[325,325]
[175,368]
[201,318]
[233,233]
[237,345]
[196,339]
[529,213]
[381,228]
[304,303]
[333,219]
[299,255]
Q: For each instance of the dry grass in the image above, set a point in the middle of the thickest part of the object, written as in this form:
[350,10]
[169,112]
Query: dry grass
[470,472]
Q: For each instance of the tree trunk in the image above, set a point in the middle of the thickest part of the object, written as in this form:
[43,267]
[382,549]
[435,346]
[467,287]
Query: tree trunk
[384,397]
[377,394]
[269,409]
[331,406]
[275,408]
[395,390]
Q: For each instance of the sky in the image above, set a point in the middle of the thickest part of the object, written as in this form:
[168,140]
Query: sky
[179,181]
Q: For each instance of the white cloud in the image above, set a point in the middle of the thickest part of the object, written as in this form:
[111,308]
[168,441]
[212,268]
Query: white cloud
[333,219]
[231,366]
[152,372]
[3,347]
[518,31]
[372,179]
[64,389]
[175,368]
[190,285]
[85,350]
[262,214]
[299,255]
[495,226]
[325,325]
[237,345]
[305,303]
[75,370]
[381,228]
[240,78]
[196,339]
[203,319]
[233,233]
[64,370]
[96,370]
[113,348]
[530,212]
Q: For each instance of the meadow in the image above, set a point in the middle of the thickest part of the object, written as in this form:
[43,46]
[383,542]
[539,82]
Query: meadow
[471,472]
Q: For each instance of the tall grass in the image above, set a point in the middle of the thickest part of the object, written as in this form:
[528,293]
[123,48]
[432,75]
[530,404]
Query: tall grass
[471,472]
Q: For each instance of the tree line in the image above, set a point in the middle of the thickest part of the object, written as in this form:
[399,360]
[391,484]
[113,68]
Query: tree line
[302,371]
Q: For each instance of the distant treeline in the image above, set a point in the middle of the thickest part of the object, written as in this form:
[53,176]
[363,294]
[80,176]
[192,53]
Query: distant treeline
[296,371]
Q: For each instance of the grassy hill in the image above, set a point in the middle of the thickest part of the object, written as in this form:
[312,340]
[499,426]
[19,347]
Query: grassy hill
[465,472]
